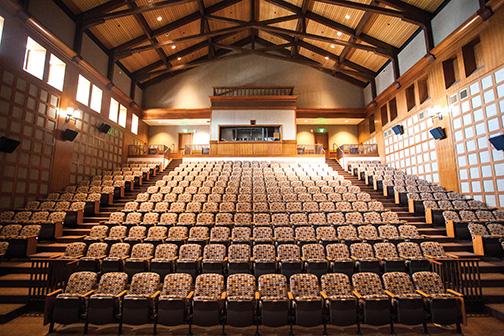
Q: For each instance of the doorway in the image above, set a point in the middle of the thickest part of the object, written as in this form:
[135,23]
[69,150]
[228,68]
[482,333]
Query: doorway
[183,140]
[323,140]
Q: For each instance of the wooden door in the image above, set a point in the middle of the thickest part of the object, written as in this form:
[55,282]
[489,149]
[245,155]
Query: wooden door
[183,140]
[322,139]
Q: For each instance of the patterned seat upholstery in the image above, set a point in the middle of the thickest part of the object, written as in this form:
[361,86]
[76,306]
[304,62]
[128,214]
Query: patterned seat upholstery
[136,233]
[186,218]
[386,251]
[288,253]
[241,234]
[388,232]
[208,287]
[496,229]
[96,251]
[214,253]
[239,253]
[372,217]
[111,284]
[362,251]
[433,249]
[273,287]
[4,246]
[313,253]
[317,218]
[177,233]
[241,287]
[198,233]
[390,217]
[409,232]
[338,252]
[375,206]
[29,231]
[156,233]
[485,215]
[79,284]
[165,252]
[10,231]
[305,287]
[305,234]
[133,218]
[467,216]
[337,286]
[118,251]
[117,233]
[150,218]
[176,286]
[369,286]
[141,252]
[264,253]
[262,234]
[336,218]
[142,285]
[189,252]
[168,219]
[219,234]
[284,234]
[400,284]
[347,232]
[224,218]
[74,250]
[431,284]
[367,232]
[410,251]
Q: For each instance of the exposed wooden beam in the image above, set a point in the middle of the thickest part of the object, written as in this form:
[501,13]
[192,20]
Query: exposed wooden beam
[279,19]
[98,18]
[174,25]
[104,8]
[224,19]
[301,23]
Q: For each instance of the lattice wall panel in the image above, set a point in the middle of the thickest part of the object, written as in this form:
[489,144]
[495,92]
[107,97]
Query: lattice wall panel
[477,113]
[415,151]
[28,112]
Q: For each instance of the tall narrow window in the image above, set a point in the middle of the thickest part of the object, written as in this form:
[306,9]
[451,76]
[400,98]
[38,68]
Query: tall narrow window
[384,114]
[423,90]
[1,28]
[96,99]
[83,86]
[450,72]
[34,61]
[114,110]
[393,109]
[410,97]
[123,114]
[134,124]
[371,123]
[471,57]
[56,73]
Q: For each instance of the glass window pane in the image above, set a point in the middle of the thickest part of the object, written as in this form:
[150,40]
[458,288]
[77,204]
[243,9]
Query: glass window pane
[96,99]
[56,73]
[83,86]
[34,61]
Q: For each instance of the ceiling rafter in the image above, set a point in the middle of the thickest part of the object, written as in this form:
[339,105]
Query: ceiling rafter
[301,23]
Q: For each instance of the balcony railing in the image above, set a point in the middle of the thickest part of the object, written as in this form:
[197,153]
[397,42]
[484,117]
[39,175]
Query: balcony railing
[241,91]
[355,150]
[197,150]
[141,150]
[310,149]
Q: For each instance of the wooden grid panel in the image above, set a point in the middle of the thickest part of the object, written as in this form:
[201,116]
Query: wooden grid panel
[93,151]
[477,113]
[28,113]
[415,151]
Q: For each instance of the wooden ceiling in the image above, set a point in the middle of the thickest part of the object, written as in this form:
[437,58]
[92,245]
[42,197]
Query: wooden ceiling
[349,39]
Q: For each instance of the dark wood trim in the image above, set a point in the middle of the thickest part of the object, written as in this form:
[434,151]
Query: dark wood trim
[330,113]
[167,113]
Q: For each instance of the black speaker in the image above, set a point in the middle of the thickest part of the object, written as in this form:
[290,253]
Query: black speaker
[438,133]
[104,128]
[398,129]
[497,141]
[69,135]
[8,145]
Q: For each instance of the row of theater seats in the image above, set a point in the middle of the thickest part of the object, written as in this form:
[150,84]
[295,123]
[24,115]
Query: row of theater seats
[20,229]
[286,258]
[464,218]
[249,219]
[239,301]
[257,235]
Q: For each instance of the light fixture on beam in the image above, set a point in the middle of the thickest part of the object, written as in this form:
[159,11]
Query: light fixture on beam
[70,113]
[174,46]
[159,18]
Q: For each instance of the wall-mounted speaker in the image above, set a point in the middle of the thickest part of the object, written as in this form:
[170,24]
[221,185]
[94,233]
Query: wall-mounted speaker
[8,145]
[104,128]
[398,129]
[252,122]
[438,133]
[497,142]
[69,134]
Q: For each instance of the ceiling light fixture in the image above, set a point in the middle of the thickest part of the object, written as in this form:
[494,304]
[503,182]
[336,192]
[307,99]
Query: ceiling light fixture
[179,58]
[159,18]
[327,58]
[347,17]
[174,46]
[339,33]
[333,46]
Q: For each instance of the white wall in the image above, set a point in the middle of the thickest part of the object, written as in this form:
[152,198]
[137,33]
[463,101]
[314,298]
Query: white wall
[368,94]
[121,80]
[412,53]
[313,88]
[168,135]
[451,17]
[384,78]
[285,118]
[138,95]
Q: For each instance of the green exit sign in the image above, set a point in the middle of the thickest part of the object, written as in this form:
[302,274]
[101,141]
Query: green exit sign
[321,130]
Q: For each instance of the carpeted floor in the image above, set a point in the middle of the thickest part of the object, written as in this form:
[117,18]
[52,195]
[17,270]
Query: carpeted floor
[31,324]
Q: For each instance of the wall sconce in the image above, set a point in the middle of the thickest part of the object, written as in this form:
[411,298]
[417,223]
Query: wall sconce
[437,112]
[70,113]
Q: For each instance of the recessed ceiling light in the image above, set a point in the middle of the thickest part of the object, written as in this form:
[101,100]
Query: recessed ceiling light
[339,33]
[174,46]
[347,17]
[327,58]
[333,46]
[179,58]
[346,121]
[159,18]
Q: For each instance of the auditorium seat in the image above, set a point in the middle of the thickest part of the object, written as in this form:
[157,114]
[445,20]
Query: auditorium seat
[139,260]
[74,251]
[341,303]
[96,252]
[138,305]
[307,301]
[289,259]
[208,301]
[239,258]
[264,258]
[174,300]
[189,259]
[274,300]
[415,260]
[387,253]
[374,304]
[241,300]
[214,259]
[339,256]
[164,259]
[365,260]
[117,255]
[104,304]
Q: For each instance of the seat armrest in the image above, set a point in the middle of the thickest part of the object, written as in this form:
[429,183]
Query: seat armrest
[290,295]
[54,293]
[223,296]
[422,293]
[154,295]
[257,295]
[87,294]
[120,295]
[357,294]
[451,291]
[324,295]
[451,255]
[190,295]
[354,258]
[390,294]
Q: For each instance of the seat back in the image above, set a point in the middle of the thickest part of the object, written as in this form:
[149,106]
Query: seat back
[305,286]
[112,283]
[336,284]
[241,287]
[367,283]
[144,284]
[81,282]
[273,287]
[337,251]
[177,285]
[399,283]
[190,252]
[142,251]
[208,287]
[429,282]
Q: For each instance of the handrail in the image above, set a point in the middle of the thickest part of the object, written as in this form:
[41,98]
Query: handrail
[197,150]
[141,150]
[310,149]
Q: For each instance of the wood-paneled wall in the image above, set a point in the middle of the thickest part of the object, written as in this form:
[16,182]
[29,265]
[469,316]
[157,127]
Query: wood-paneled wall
[491,57]
[29,112]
